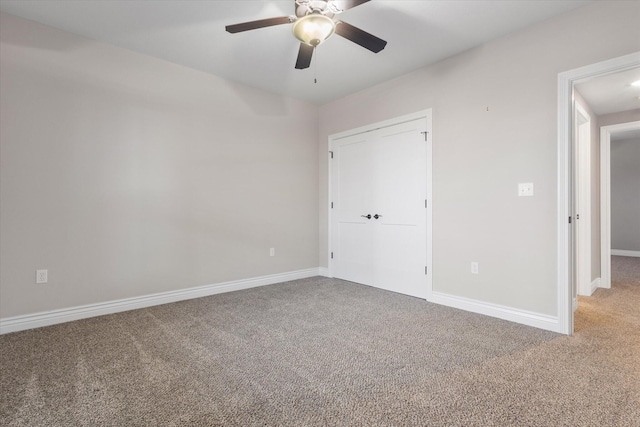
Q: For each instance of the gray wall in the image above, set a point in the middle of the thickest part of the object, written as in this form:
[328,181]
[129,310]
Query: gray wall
[125,175]
[617,118]
[480,156]
[614,119]
[625,194]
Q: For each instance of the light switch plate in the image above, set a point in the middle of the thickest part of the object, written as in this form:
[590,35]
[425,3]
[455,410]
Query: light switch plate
[474,267]
[525,189]
[42,276]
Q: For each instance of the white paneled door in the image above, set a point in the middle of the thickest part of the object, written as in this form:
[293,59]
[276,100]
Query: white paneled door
[379,214]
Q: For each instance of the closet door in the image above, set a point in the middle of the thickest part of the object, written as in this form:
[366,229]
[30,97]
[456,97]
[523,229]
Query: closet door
[379,219]
[352,214]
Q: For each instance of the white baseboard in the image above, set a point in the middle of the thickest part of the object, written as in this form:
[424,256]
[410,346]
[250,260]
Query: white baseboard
[595,285]
[324,271]
[529,318]
[36,320]
[624,252]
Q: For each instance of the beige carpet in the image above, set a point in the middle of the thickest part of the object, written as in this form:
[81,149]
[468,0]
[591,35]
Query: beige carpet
[323,352]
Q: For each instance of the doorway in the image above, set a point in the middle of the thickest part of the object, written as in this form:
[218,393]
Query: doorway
[380,215]
[606,134]
[566,280]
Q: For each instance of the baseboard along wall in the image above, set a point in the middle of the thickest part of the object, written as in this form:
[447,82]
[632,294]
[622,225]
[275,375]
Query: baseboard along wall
[595,285]
[37,320]
[324,271]
[624,252]
[47,318]
[529,318]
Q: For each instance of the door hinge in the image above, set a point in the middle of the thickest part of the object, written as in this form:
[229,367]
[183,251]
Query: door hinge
[425,133]
[577,216]
[331,255]
[331,152]
[425,269]
[425,203]
[569,220]
[331,205]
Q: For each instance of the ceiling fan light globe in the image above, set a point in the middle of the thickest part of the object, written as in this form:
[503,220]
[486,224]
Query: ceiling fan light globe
[313,29]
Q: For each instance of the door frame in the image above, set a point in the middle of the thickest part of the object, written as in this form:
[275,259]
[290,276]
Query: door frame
[427,116]
[566,190]
[605,197]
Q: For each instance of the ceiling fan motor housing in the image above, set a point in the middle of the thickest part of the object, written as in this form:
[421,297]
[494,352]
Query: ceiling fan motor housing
[306,7]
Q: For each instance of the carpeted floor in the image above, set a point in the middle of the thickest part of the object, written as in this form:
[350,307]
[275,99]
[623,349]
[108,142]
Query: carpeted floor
[323,352]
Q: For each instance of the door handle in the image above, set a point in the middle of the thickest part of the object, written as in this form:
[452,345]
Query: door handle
[376,216]
[366,216]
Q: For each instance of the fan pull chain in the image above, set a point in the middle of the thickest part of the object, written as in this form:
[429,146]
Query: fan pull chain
[315,66]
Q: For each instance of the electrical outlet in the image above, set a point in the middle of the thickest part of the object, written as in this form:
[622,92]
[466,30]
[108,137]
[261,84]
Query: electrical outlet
[272,251]
[474,267]
[42,276]
[525,189]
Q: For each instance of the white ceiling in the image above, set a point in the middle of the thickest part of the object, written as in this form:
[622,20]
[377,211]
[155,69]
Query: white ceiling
[191,33]
[612,93]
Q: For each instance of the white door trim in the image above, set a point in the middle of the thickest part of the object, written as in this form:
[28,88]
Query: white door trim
[424,114]
[566,80]
[605,197]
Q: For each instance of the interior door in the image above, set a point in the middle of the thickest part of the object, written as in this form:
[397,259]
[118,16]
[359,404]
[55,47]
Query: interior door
[379,216]
[352,204]
[582,177]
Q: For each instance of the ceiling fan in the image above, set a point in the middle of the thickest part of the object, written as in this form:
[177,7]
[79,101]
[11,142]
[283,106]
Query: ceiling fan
[313,23]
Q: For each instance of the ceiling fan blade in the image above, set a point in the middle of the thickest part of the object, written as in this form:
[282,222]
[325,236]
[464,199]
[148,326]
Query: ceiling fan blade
[304,56]
[358,36]
[348,4]
[254,25]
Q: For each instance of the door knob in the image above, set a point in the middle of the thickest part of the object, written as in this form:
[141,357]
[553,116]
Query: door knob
[376,216]
[366,216]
